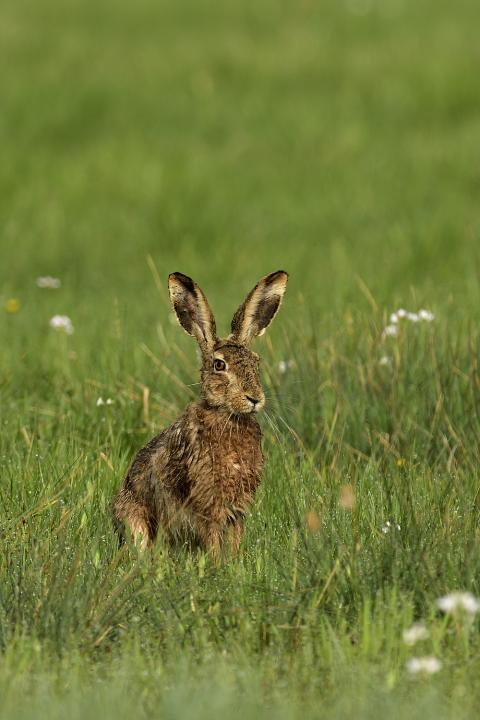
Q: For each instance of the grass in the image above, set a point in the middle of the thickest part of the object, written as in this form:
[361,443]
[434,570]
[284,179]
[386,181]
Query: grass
[338,140]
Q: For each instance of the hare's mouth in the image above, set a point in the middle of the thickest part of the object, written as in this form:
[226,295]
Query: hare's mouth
[255,404]
[248,405]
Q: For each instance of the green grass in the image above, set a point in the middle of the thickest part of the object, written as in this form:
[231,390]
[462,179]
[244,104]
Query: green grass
[339,140]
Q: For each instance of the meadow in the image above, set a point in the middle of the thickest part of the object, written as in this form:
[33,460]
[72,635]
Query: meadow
[339,140]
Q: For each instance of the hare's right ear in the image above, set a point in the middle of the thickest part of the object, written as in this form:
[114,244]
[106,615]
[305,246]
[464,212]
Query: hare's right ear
[192,309]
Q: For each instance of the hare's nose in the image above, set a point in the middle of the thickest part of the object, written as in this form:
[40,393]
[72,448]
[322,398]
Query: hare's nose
[252,400]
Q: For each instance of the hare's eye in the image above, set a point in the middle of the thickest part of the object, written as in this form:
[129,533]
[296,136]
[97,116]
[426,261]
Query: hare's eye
[219,365]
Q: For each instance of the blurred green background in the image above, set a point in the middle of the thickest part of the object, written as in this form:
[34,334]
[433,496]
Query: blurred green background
[338,140]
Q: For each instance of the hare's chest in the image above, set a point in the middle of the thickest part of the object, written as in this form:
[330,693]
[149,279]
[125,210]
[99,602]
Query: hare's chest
[229,459]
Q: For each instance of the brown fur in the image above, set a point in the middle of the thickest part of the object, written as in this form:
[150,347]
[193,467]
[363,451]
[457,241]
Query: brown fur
[196,480]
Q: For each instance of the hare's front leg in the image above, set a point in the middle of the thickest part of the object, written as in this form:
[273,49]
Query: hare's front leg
[139,519]
[211,541]
[235,536]
[141,533]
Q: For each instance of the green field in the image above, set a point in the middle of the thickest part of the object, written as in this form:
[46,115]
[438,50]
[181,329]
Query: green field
[339,140]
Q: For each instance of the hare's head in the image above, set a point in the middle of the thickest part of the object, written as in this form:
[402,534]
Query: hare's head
[230,371]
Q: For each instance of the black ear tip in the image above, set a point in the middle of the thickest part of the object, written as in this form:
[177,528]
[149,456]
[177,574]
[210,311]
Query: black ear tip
[184,280]
[274,276]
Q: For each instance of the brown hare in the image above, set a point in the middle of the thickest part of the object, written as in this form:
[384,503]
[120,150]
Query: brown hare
[196,480]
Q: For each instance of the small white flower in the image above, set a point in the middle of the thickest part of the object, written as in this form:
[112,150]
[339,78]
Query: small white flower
[426,315]
[62,323]
[428,665]
[389,526]
[415,633]
[285,365]
[101,401]
[456,601]
[394,318]
[48,282]
[385,360]
[390,331]
[402,313]
[413,317]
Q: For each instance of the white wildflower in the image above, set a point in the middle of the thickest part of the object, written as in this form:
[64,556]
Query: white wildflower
[101,401]
[389,526]
[62,323]
[402,313]
[456,601]
[390,331]
[413,317]
[426,315]
[385,360]
[394,318]
[285,365]
[48,282]
[415,633]
[428,665]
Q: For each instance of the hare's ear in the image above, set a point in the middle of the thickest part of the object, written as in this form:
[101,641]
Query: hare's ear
[192,309]
[259,308]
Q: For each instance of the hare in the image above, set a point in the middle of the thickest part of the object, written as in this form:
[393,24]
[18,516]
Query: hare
[196,480]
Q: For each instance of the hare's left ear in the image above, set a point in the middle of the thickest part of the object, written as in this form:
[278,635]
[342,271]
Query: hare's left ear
[192,310]
[259,308]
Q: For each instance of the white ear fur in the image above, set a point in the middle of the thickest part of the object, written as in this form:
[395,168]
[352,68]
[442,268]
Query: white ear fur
[260,307]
